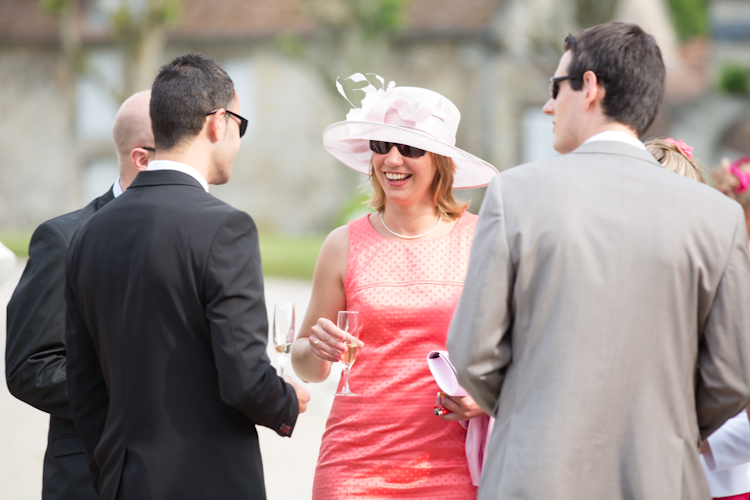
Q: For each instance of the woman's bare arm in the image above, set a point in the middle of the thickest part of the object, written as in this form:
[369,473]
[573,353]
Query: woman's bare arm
[313,364]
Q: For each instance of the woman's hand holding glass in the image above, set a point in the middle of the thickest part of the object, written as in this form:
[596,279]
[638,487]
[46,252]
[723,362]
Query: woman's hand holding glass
[328,341]
[461,408]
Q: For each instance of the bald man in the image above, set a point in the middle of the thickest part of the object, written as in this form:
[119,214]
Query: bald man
[35,347]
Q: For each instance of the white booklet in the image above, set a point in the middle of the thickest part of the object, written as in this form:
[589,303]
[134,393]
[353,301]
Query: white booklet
[445,373]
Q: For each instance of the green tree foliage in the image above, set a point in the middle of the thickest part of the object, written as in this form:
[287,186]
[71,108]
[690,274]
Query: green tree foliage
[690,18]
[592,12]
[734,79]
[350,36]
[137,30]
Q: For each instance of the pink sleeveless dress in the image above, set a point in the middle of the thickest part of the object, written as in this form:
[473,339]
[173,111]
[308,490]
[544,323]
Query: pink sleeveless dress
[386,442]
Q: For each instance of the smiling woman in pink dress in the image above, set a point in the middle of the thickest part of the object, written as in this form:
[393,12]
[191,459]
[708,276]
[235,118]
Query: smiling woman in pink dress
[402,268]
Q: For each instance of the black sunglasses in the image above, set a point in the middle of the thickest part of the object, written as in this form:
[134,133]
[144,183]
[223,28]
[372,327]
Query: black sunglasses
[382,148]
[554,83]
[153,150]
[243,121]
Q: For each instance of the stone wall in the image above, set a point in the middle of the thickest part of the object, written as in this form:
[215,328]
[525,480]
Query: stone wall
[282,175]
[38,153]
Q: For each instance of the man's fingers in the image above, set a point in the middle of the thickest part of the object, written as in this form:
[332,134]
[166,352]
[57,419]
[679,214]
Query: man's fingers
[451,405]
[303,395]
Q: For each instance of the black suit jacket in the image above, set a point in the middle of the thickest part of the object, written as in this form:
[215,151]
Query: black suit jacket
[35,351]
[167,334]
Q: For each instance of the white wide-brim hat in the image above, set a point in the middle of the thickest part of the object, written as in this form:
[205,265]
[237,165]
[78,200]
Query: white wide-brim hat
[413,116]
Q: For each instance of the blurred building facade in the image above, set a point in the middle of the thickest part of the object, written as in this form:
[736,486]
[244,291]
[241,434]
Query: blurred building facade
[492,58]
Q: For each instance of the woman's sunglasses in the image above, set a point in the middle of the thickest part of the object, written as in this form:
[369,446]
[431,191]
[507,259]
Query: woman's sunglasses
[382,148]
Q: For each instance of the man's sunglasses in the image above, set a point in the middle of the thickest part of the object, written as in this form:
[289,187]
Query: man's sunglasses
[382,148]
[243,121]
[554,84]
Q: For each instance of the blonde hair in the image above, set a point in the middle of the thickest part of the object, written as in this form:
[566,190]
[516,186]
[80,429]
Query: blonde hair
[675,160]
[726,182]
[448,207]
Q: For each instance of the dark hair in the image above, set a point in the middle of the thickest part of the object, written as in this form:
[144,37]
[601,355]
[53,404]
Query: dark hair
[186,89]
[628,63]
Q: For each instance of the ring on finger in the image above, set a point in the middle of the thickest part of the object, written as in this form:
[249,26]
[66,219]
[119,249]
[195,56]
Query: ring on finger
[316,343]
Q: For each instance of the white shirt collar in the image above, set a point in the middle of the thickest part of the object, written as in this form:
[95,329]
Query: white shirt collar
[180,167]
[616,135]
[116,188]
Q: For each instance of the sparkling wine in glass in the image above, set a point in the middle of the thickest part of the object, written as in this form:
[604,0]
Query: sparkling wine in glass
[283,332]
[349,322]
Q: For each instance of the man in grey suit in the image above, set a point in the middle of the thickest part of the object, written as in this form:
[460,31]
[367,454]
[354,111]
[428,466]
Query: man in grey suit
[604,320]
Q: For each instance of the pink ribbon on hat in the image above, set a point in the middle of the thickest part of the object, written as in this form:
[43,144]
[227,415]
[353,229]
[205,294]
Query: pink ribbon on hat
[383,106]
[744,177]
[686,150]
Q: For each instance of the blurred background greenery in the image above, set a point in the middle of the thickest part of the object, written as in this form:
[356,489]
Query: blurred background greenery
[283,255]
[74,61]
[287,256]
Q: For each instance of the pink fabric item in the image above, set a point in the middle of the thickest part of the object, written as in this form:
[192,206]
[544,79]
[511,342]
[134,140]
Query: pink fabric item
[478,432]
[387,442]
[478,429]
[744,177]
[687,150]
[743,496]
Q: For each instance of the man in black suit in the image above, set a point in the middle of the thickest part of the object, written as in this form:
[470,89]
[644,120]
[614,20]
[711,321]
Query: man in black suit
[35,349]
[166,326]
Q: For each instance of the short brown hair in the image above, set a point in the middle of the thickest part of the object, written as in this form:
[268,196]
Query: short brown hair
[673,159]
[628,63]
[448,207]
[186,89]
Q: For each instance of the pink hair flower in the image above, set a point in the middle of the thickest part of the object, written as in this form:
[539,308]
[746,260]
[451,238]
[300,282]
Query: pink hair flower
[742,176]
[686,150]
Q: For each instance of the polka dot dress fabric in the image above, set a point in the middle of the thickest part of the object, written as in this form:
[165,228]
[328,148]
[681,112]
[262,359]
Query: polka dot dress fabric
[386,442]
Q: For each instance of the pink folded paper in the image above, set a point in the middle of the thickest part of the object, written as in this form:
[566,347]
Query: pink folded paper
[445,373]
[479,429]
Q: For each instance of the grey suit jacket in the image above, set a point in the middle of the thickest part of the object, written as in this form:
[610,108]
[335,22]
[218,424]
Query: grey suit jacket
[598,282]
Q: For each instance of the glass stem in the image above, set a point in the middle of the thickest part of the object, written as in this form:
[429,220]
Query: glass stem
[282,364]
[346,385]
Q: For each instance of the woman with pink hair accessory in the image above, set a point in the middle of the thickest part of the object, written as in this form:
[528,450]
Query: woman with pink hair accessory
[725,454]
[733,179]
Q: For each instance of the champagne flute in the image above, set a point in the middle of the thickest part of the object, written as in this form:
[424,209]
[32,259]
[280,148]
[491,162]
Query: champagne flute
[349,322]
[283,332]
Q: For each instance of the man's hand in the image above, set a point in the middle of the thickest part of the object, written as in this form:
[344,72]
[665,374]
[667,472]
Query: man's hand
[462,408]
[303,395]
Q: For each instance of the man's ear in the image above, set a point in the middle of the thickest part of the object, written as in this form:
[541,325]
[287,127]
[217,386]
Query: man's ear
[593,90]
[140,158]
[216,125]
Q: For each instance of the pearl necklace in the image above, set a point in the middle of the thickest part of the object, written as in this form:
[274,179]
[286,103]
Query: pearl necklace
[408,237]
